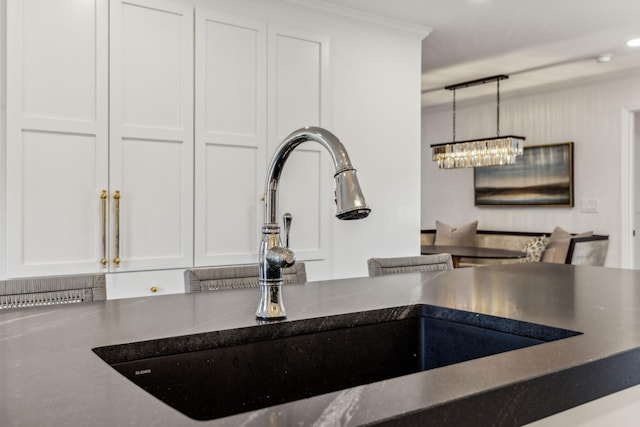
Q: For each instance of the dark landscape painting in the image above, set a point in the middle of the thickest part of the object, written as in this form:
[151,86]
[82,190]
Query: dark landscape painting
[543,176]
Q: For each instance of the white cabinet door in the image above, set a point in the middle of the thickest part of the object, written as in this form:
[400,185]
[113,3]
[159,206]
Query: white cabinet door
[230,126]
[151,135]
[298,90]
[57,130]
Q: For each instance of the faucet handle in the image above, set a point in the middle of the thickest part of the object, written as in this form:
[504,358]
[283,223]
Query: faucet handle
[286,219]
[280,257]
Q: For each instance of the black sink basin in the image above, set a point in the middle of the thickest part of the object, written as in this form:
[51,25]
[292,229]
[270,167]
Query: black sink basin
[212,375]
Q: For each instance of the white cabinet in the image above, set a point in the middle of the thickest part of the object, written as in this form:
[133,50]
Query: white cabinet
[110,168]
[298,96]
[83,122]
[151,135]
[230,140]
[233,147]
[57,130]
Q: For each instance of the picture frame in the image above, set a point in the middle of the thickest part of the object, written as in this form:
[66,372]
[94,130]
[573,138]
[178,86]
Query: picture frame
[542,176]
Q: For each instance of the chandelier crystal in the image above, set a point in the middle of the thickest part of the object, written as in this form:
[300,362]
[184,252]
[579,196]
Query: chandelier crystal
[478,153]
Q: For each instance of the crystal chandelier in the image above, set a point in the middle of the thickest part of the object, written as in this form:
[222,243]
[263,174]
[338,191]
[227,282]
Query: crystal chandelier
[500,150]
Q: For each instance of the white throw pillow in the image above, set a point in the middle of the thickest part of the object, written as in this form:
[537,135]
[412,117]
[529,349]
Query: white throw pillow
[465,235]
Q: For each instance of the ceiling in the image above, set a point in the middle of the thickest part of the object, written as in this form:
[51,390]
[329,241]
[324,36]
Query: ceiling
[538,43]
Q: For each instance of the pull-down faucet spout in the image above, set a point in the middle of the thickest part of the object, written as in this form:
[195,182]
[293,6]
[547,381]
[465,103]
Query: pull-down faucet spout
[350,204]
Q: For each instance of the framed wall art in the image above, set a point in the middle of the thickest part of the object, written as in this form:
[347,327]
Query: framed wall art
[542,176]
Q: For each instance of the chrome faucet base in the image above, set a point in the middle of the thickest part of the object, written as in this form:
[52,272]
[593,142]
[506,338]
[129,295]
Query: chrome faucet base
[271,306]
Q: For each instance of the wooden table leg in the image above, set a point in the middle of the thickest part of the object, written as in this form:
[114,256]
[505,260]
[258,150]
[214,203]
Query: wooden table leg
[456,261]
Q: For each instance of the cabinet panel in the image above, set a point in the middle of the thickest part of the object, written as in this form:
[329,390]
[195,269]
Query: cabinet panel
[231,176]
[305,202]
[151,138]
[152,49]
[151,223]
[59,202]
[297,78]
[298,93]
[57,130]
[59,58]
[230,123]
[232,55]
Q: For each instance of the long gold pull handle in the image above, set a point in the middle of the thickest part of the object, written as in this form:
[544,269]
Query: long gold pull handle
[116,260]
[103,197]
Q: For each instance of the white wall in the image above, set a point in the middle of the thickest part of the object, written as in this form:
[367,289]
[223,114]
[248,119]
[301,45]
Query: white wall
[636,189]
[377,112]
[3,104]
[589,115]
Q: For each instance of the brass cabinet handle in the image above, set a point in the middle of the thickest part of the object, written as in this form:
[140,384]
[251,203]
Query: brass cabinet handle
[116,197]
[103,197]
[154,289]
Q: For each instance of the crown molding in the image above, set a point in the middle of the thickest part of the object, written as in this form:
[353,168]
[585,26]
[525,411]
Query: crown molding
[355,16]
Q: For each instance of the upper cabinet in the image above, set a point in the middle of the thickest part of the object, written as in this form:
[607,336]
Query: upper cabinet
[57,136]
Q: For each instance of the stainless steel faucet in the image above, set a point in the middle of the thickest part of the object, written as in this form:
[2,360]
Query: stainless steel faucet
[350,204]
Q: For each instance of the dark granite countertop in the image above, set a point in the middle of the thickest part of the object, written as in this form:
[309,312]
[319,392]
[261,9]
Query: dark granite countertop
[50,376]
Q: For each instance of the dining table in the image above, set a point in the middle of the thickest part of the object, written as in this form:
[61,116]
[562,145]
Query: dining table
[458,252]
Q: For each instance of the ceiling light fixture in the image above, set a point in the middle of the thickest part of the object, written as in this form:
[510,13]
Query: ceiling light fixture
[604,58]
[633,43]
[501,150]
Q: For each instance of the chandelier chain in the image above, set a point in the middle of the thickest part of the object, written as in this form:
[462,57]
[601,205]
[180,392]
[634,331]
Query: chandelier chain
[454,115]
[498,110]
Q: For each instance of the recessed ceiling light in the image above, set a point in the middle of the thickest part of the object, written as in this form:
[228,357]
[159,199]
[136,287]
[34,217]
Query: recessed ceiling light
[633,43]
[604,58]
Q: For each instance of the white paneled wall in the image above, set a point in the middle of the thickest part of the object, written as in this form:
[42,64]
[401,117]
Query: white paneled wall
[589,115]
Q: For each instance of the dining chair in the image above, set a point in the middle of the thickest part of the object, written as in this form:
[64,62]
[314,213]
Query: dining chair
[51,290]
[235,277]
[588,251]
[383,266]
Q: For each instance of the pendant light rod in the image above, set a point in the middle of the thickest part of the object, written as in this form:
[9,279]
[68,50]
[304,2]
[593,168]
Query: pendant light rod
[477,82]
[498,108]
[454,115]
